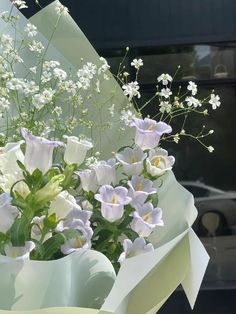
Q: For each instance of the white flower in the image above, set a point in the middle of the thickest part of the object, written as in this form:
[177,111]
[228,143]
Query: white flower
[131,160]
[210,149]
[82,241]
[9,156]
[192,87]
[146,219]
[39,151]
[36,46]
[31,30]
[76,150]
[112,201]
[149,132]
[70,221]
[31,88]
[165,106]
[137,63]
[62,10]
[15,84]
[33,69]
[127,116]
[4,103]
[164,78]
[88,180]
[8,213]
[140,189]
[105,171]
[165,92]
[139,246]
[20,4]
[131,90]
[192,101]
[6,40]
[40,100]
[62,205]
[19,252]
[60,74]
[214,101]
[158,162]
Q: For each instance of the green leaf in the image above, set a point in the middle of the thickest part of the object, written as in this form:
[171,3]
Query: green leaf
[153,198]
[52,245]
[19,231]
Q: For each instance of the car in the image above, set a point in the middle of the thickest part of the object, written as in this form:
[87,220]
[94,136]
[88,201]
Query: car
[216,227]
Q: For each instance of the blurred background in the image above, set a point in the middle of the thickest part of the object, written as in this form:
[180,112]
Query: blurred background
[200,36]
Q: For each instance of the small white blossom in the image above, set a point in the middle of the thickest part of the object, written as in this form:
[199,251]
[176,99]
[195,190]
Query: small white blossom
[131,90]
[4,103]
[192,101]
[126,116]
[164,78]
[62,10]
[15,84]
[165,92]
[60,74]
[33,69]
[214,101]
[137,63]
[165,106]
[36,46]
[210,149]
[20,4]
[192,87]
[31,30]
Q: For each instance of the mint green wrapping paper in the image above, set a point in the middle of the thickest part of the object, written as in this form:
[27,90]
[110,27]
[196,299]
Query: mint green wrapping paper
[80,282]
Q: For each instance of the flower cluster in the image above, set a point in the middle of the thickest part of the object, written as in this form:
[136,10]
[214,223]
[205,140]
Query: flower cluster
[49,210]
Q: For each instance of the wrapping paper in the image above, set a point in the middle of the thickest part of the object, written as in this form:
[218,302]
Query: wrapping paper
[80,282]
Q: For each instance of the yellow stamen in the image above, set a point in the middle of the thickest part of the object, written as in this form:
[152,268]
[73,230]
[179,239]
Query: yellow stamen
[139,187]
[151,127]
[156,161]
[114,199]
[146,217]
[133,159]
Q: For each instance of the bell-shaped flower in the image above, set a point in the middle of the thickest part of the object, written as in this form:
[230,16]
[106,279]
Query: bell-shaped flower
[7,181]
[76,150]
[88,180]
[158,162]
[62,204]
[105,171]
[19,252]
[139,189]
[146,219]
[131,160]
[71,220]
[139,246]
[39,152]
[149,132]
[36,230]
[112,201]
[9,154]
[8,213]
[82,241]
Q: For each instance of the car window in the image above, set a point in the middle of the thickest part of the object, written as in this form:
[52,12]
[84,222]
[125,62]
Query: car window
[197,191]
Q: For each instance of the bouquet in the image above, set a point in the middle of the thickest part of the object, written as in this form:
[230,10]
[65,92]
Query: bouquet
[90,210]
